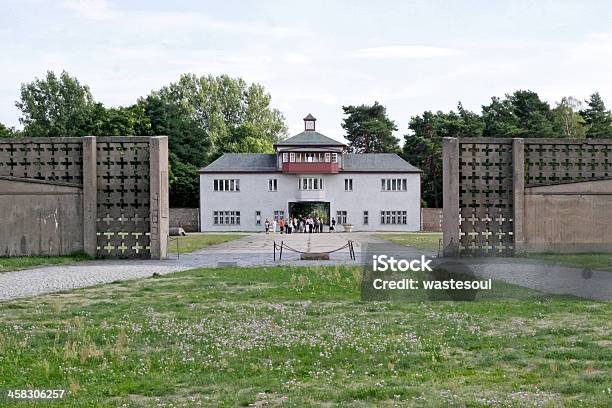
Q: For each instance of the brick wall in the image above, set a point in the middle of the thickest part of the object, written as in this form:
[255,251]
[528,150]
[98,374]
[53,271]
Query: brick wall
[431,219]
[188,218]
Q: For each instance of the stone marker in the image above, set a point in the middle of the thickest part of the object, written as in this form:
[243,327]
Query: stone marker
[315,256]
[177,231]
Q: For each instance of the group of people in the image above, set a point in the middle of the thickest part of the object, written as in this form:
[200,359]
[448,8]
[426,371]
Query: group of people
[298,224]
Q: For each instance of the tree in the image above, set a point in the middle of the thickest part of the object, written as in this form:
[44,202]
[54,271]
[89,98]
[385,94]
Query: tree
[369,130]
[222,106]
[205,117]
[121,121]
[423,146]
[521,114]
[184,183]
[567,120]
[597,118]
[426,153]
[7,132]
[56,106]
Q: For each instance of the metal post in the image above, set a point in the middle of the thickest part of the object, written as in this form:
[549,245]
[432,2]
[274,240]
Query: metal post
[280,256]
[275,250]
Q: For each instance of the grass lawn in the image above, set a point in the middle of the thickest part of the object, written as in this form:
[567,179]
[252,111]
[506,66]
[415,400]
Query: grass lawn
[300,337]
[599,261]
[193,242]
[420,240]
[14,263]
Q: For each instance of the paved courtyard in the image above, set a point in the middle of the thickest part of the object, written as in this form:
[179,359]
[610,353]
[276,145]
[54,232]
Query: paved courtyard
[257,250]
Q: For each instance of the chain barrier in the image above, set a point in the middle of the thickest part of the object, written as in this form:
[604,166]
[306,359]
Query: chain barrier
[282,245]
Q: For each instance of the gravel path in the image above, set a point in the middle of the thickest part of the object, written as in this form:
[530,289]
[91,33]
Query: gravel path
[256,250]
[545,277]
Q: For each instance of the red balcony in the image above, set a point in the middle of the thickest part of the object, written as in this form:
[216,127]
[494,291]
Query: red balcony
[320,167]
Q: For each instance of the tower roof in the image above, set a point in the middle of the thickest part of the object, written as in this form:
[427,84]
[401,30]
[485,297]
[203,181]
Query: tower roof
[310,138]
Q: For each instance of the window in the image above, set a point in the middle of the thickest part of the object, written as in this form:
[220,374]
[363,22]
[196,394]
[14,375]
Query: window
[226,217]
[365,218]
[310,183]
[272,185]
[393,184]
[334,157]
[278,215]
[348,184]
[327,157]
[257,217]
[226,184]
[291,157]
[285,157]
[341,216]
[393,217]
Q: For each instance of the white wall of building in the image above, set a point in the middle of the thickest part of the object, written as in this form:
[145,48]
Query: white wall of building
[366,195]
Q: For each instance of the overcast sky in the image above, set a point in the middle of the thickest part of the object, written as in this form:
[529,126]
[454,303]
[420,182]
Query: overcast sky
[315,56]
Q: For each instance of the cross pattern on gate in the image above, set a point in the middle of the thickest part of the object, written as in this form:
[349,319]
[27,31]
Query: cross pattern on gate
[123,199]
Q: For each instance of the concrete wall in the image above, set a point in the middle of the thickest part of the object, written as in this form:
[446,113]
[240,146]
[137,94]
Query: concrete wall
[504,196]
[187,218]
[431,219]
[114,190]
[571,217]
[366,195]
[40,218]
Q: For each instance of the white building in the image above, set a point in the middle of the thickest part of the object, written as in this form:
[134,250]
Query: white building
[310,174]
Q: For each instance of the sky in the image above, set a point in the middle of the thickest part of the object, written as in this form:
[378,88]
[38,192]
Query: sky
[316,56]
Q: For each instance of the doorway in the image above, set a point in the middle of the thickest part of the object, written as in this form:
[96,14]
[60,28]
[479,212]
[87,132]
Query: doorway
[320,209]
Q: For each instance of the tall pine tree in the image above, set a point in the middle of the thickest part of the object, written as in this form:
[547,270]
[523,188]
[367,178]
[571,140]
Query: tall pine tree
[369,130]
[597,118]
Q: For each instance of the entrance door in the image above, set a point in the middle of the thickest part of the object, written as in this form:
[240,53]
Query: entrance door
[310,208]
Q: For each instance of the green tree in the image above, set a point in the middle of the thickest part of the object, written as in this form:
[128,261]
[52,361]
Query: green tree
[205,117]
[423,146]
[222,107]
[597,118]
[369,130]
[7,132]
[567,120]
[122,121]
[188,144]
[426,153]
[184,183]
[521,114]
[56,106]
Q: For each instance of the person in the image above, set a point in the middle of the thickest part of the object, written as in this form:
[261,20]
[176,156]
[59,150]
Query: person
[316,224]
[281,225]
[267,225]
[333,225]
[274,225]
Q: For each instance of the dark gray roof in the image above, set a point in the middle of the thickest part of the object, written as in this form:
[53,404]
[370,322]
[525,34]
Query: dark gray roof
[310,138]
[309,117]
[257,162]
[379,162]
[240,162]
